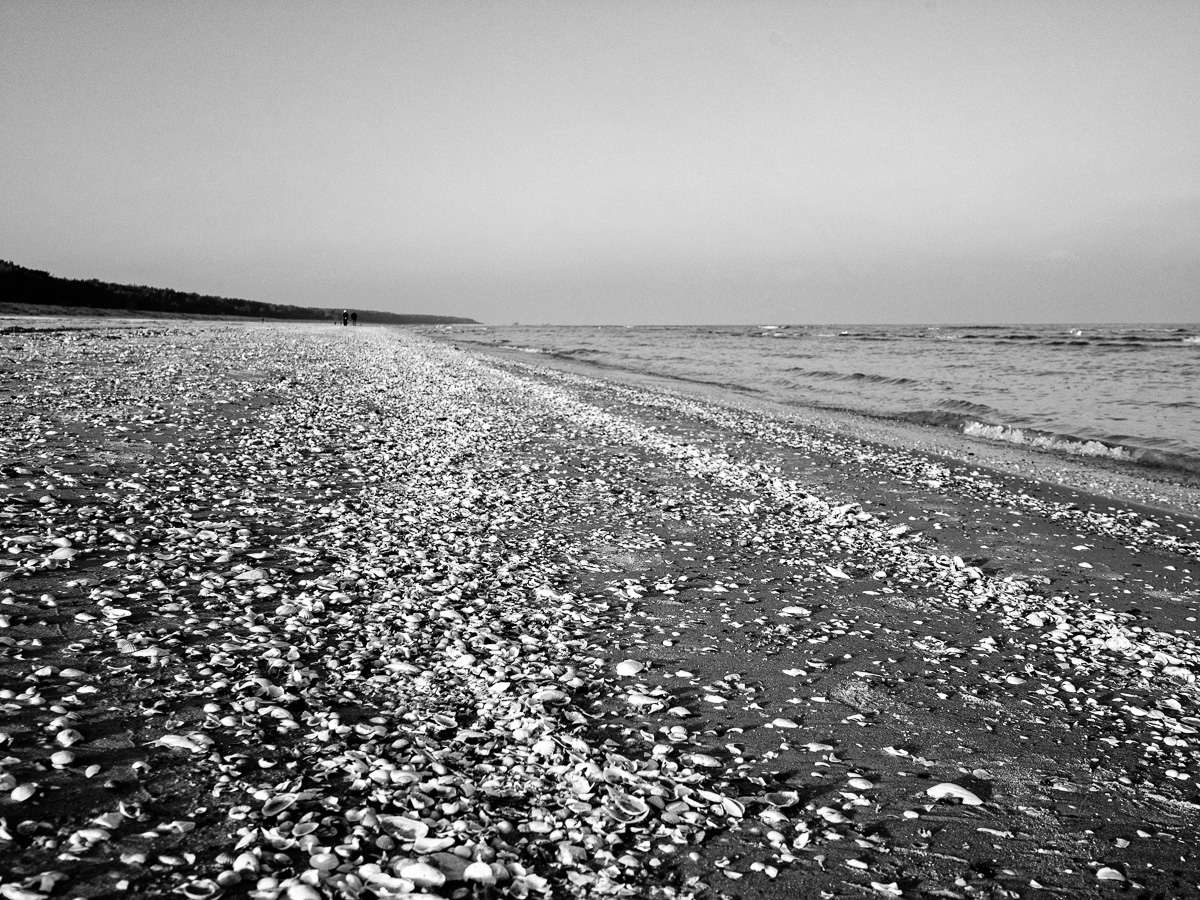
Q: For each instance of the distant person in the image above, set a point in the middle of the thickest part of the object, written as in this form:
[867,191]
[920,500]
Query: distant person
[354,317]
[345,318]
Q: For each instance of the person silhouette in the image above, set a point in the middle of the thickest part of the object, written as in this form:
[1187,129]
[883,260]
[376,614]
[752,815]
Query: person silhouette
[345,318]
[354,318]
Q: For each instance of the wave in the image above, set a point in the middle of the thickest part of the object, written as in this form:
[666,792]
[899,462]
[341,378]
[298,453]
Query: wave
[1045,441]
[1159,459]
[868,377]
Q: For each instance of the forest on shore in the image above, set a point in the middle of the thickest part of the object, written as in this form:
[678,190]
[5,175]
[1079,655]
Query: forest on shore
[24,287]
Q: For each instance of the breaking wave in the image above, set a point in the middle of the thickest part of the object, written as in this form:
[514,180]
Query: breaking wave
[1158,459]
[1045,441]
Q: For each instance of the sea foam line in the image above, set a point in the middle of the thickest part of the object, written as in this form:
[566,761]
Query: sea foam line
[1045,442]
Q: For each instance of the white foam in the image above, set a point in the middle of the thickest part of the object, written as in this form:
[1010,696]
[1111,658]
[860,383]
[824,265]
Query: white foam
[1044,442]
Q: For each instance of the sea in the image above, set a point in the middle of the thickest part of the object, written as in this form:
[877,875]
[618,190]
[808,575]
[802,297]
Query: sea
[1128,392]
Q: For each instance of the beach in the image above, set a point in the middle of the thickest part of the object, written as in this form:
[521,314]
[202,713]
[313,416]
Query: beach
[306,611]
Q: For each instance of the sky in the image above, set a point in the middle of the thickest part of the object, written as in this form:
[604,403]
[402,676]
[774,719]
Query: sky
[615,162]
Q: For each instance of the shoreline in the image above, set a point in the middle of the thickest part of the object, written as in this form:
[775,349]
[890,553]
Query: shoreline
[1150,485]
[347,612]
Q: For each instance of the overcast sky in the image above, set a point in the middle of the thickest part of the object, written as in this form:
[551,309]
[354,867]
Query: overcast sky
[612,162]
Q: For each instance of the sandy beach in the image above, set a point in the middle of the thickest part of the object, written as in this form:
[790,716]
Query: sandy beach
[304,611]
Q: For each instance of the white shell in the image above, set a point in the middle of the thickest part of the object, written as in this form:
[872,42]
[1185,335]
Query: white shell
[949,789]
[481,872]
[423,875]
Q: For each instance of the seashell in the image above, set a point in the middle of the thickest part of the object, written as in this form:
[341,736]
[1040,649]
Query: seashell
[949,789]
[772,816]
[115,612]
[302,891]
[68,737]
[733,808]
[431,844]
[551,696]
[423,875]
[795,612]
[277,804]
[637,698]
[251,575]
[860,784]
[201,889]
[783,723]
[324,862]
[782,799]
[16,892]
[630,667]
[1106,873]
[177,742]
[403,827]
[817,747]
[836,573]
[627,809]
[62,759]
[890,888]
[23,792]
[704,760]
[480,872]
[246,863]
[831,815]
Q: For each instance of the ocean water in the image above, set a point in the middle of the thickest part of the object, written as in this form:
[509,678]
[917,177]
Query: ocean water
[1120,391]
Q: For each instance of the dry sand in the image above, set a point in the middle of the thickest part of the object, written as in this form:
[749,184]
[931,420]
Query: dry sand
[303,611]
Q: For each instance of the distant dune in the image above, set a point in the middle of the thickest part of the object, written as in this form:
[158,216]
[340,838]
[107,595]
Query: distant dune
[33,292]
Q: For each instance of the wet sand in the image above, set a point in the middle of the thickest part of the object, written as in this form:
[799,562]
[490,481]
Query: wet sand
[345,612]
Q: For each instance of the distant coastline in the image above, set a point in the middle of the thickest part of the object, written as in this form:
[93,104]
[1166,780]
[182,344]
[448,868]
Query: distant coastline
[34,292]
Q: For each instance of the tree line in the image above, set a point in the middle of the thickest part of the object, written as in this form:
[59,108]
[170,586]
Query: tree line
[32,286]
